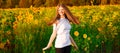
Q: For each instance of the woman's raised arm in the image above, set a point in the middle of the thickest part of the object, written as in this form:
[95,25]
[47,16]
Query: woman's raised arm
[73,42]
[51,40]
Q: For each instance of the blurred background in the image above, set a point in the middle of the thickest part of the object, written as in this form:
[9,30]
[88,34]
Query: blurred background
[48,3]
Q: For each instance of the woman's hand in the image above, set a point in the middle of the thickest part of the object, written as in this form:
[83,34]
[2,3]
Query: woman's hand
[74,44]
[75,47]
[45,48]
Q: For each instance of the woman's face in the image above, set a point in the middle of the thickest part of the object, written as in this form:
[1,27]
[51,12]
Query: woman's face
[61,11]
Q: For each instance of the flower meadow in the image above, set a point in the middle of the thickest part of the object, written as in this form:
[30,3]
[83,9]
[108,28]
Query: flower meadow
[25,30]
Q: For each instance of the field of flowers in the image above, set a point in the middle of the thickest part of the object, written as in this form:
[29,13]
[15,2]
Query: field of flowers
[25,30]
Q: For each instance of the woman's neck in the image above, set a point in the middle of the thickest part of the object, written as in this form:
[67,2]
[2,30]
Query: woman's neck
[62,16]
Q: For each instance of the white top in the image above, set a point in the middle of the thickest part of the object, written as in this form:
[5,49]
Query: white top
[63,33]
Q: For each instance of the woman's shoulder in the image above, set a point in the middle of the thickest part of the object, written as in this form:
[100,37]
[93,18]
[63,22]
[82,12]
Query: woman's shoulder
[56,22]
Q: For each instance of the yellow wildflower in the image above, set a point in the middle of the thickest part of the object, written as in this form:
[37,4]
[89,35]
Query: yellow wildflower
[36,22]
[76,33]
[88,38]
[1,31]
[102,41]
[107,19]
[2,45]
[85,49]
[90,41]
[43,51]
[115,33]
[15,22]
[96,45]
[113,36]
[97,36]
[110,24]
[85,36]
[99,29]
[8,32]
[14,26]
[8,42]
[19,18]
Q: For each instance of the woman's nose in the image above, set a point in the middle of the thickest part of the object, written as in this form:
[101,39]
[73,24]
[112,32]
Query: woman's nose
[60,11]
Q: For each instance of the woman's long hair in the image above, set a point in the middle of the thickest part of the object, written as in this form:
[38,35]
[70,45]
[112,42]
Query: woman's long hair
[67,14]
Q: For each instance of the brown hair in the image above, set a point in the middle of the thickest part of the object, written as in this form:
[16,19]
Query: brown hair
[68,15]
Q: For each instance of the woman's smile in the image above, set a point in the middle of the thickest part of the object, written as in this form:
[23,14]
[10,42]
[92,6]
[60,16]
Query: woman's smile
[61,11]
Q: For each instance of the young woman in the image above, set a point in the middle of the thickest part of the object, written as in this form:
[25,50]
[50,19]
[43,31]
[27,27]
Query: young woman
[61,30]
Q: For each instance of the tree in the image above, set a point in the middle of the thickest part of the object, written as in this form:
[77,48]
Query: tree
[24,4]
[55,2]
[0,3]
[97,2]
[76,2]
[108,1]
[118,1]
[49,3]
[113,2]
[9,4]
[37,3]
[88,2]
[103,2]
[15,3]
[31,2]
